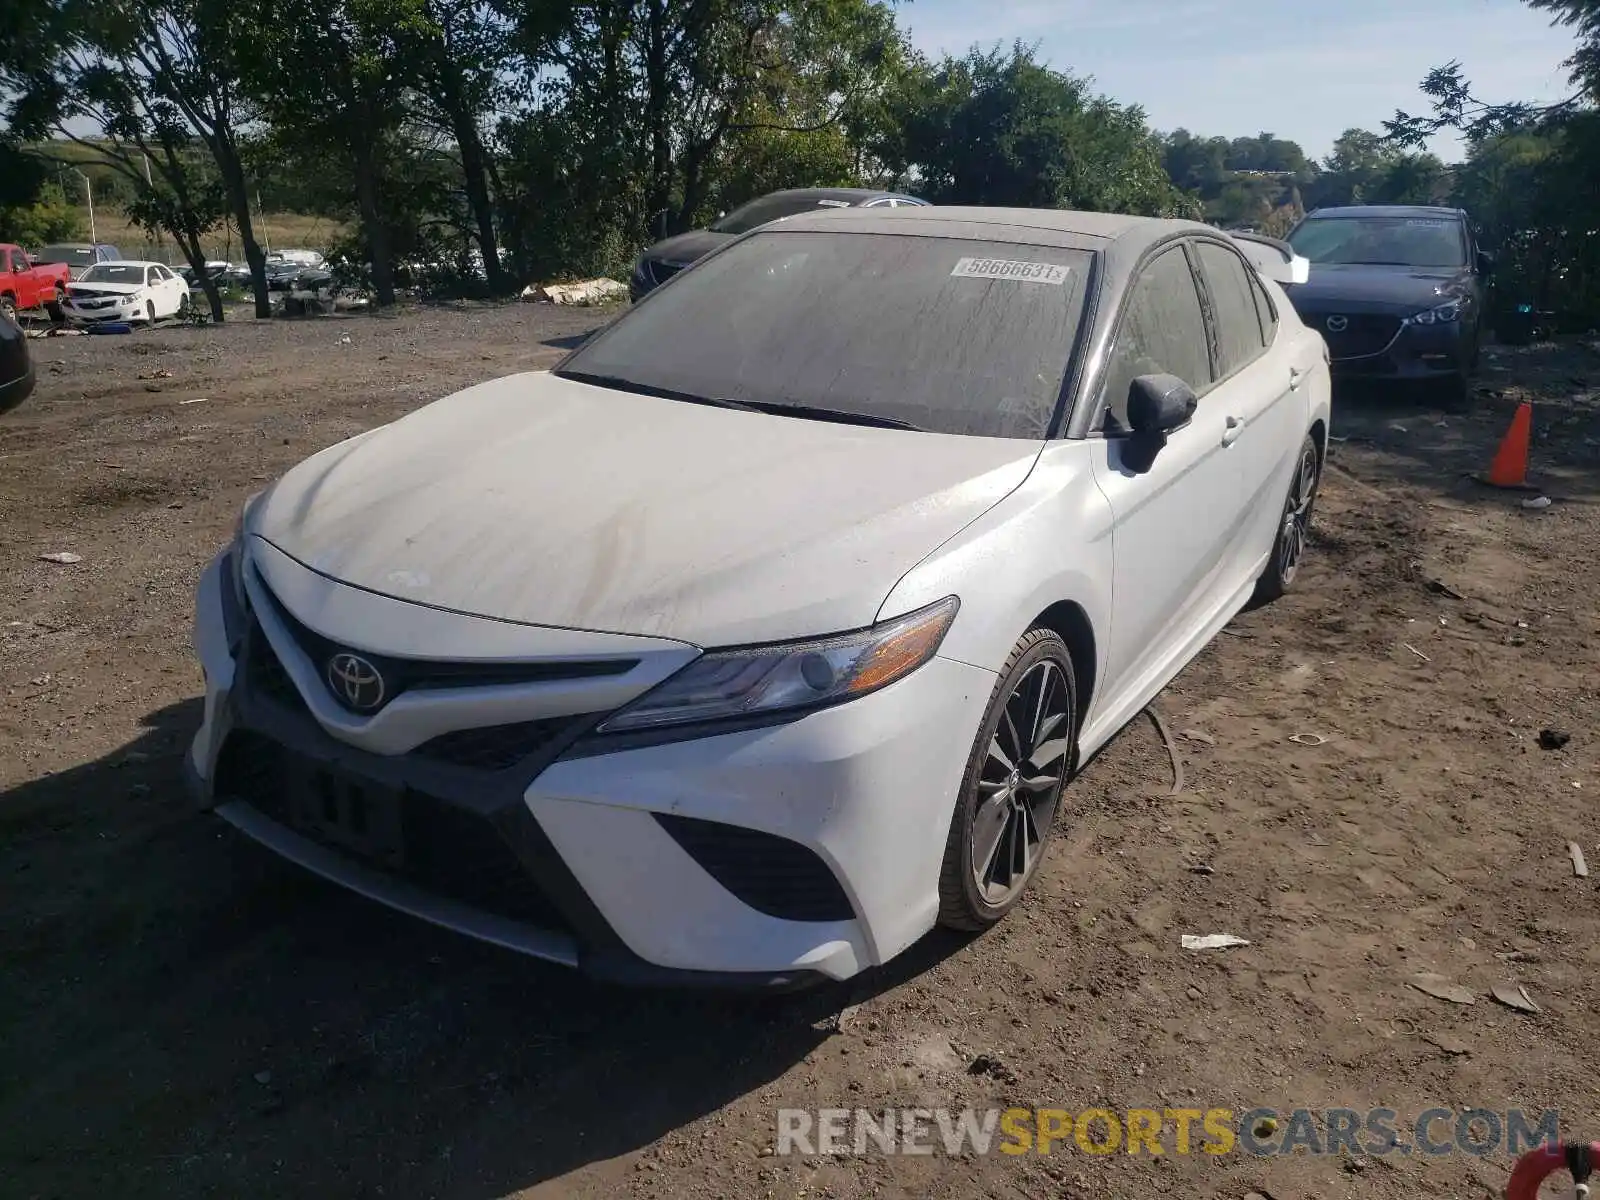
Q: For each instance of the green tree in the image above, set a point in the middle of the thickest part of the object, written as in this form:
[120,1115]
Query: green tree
[998,127]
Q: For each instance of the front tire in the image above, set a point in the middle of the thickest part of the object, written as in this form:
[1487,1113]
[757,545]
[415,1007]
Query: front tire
[54,310]
[1012,788]
[1289,547]
[150,313]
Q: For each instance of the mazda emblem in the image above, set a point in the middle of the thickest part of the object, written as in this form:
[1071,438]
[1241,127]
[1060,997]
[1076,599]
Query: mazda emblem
[1338,324]
[356,682]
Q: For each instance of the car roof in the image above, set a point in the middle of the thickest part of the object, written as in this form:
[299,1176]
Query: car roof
[1385,210]
[833,193]
[1069,228]
[130,262]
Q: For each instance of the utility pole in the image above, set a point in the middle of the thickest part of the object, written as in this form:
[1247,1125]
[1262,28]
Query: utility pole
[89,189]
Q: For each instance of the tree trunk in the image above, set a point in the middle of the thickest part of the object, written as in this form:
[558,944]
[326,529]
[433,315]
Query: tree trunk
[238,192]
[657,116]
[189,242]
[476,178]
[366,172]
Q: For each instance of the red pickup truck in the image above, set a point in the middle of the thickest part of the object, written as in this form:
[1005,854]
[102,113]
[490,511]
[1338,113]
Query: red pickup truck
[23,285]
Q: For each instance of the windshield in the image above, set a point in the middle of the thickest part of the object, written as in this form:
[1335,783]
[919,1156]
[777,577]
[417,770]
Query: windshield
[73,256]
[770,208]
[952,336]
[114,273]
[1385,241]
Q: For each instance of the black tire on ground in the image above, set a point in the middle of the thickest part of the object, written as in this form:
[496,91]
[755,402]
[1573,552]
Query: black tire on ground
[1294,525]
[150,312]
[1011,791]
[8,308]
[54,311]
[183,305]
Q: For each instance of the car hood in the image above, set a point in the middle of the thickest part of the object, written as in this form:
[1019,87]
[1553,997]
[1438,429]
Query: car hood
[688,247]
[540,500]
[1407,288]
[93,288]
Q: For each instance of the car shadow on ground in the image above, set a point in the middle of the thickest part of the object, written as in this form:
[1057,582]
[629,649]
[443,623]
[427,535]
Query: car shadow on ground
[242,1028]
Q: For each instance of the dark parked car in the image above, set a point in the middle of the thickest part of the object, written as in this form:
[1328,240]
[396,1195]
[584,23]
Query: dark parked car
[666,258]
[1397,292]
[16,366]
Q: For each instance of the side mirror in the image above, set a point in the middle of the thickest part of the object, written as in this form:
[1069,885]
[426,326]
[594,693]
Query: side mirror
[1157,406]
[1485,263]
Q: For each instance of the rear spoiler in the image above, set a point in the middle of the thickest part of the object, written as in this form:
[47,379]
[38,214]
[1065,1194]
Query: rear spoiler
[1273,258]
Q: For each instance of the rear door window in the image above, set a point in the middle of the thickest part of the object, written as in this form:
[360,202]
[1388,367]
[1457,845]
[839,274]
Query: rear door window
[1233,307]
[1162,332]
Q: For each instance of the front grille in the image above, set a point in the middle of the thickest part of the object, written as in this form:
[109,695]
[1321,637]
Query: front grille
[413,674]
[497,747]
[771,874]
[266,676]
[448,850]
[1365,333]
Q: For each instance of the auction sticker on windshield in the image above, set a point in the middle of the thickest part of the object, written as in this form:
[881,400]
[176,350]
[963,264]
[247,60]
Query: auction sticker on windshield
[1005,268]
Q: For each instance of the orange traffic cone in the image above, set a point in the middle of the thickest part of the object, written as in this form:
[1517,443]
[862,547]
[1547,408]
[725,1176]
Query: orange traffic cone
[1510,466]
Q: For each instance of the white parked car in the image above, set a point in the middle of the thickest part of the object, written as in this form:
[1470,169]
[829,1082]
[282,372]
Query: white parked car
[126,291]
[766,631]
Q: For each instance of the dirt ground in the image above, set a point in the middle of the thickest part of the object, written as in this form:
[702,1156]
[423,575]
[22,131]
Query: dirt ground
[181,1014]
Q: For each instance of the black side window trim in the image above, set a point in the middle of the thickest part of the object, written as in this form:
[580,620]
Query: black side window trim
[1214,332]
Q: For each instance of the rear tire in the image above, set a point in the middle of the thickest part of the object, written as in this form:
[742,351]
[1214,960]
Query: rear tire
[1011,791]
[1289,546]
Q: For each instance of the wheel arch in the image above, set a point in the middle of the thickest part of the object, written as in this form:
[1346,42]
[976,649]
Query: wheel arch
[1069,620]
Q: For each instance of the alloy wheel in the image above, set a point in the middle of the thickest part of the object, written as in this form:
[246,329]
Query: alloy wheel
[1297,515]
[1020,783]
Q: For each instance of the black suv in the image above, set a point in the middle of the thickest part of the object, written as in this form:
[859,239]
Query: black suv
[1396,291]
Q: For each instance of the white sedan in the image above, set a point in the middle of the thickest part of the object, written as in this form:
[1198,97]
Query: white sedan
[126,291]
[767,630]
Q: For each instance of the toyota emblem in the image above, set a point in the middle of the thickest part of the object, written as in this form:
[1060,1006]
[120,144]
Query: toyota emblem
[1338,324]
[356,682]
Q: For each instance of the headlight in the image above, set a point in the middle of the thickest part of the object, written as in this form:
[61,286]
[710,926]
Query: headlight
[793,676]
[1441,315]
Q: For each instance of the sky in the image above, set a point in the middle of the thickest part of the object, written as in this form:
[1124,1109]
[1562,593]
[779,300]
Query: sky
[1300,70]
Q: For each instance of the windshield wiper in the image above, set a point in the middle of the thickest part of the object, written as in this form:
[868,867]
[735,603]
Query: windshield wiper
[772,408]
[811,412]
[622,383]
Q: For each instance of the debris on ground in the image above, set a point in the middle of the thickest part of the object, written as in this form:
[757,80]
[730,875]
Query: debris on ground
[1212,941]
[1172,750]
[993,1067]
[1553,739]
[263,1077]
[1441,988]
[1514,996]
[1417,652]
[1449,1043]
[65,557]
[1308,739]
[158,373]
[1579,867]
[196,400]
[1537,502]
[1196,735]
[589,291]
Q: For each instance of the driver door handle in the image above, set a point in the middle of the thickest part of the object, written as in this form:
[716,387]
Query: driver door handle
[1297,376]
[1232,430]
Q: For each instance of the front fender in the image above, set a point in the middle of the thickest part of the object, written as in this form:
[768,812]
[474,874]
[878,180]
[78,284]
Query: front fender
[1048,542]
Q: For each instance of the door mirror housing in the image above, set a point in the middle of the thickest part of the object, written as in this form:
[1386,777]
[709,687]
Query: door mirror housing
[1159,404]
